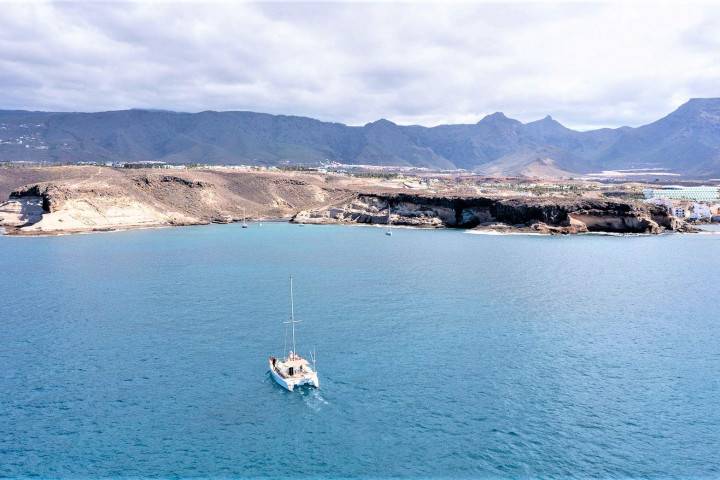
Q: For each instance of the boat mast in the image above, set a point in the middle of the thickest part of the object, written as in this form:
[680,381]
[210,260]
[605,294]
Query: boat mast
[292,315]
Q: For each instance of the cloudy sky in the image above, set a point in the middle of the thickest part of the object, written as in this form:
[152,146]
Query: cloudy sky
[587,65]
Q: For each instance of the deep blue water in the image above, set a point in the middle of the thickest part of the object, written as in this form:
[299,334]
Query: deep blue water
[440,353]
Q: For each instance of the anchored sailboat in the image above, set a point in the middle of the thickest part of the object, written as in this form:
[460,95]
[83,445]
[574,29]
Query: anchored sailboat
[244,223]
[388,232]
[293,371]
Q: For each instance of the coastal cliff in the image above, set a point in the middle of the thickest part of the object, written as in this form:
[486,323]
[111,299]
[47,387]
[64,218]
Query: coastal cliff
[117,200]
[85,199]
[545,215]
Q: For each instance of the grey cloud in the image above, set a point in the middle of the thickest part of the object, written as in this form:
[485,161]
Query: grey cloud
[355,63]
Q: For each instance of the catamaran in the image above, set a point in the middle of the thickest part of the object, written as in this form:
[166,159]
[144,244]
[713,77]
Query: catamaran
[293,371]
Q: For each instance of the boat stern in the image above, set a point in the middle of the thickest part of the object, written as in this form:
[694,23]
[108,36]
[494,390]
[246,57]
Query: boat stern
[314,380]
[289,382]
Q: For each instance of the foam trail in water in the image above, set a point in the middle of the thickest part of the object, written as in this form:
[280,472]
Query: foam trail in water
[314,399]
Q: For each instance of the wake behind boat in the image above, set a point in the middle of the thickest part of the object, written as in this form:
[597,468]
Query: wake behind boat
[293,371]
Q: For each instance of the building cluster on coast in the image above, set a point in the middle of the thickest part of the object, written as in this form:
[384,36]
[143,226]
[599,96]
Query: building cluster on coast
[698,203]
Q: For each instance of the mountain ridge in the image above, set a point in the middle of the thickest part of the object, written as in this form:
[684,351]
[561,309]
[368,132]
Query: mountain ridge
[686,141]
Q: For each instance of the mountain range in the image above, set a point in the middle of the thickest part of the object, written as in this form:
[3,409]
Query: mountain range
[687,141]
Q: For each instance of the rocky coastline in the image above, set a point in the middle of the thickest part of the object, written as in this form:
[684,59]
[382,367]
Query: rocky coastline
[122,201]
[522,214]
[104,200]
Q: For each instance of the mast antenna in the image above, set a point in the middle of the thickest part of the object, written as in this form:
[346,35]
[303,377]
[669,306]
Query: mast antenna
[292,320]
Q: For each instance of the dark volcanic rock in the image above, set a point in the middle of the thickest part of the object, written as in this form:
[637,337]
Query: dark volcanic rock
[545,215]
[150,180]
[52,195]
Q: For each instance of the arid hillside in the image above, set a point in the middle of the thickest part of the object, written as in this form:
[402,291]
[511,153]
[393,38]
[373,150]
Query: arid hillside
[685,142]
[76,199]
[55,200]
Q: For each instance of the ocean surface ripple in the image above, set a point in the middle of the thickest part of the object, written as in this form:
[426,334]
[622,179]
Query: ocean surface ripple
[440,354]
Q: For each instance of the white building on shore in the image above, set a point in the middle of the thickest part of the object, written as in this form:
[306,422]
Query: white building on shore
[676,192]
[700,211]
[679,212]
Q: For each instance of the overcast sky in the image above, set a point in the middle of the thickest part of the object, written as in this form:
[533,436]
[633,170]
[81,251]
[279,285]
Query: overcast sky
[587,65]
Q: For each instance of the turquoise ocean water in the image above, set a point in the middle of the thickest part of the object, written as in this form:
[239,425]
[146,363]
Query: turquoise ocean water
[440,353]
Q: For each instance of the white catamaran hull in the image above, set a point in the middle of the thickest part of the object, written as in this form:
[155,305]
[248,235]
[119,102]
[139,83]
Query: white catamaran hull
[290,383]
[293,370]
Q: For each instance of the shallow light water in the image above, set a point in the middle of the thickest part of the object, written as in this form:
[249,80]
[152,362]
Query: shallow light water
[711,227]
[441,354]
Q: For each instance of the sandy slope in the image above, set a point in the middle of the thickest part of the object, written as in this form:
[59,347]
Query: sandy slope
[85,199]
[78,199]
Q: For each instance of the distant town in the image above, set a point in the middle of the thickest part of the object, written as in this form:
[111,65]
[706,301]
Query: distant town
[701,203]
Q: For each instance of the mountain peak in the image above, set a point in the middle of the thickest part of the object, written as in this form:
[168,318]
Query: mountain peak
[703,101]
[497,117]
[383,122]
[547,122]
[695,105]
[695,113]
[686,141]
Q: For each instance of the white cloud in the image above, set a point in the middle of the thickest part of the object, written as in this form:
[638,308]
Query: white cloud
[587,65]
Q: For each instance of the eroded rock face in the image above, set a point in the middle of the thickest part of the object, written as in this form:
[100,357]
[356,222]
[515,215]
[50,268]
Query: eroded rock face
[69,207]
[371,209]
[552,216]
[20,212]
[52,196]
[155,180]
[110,199]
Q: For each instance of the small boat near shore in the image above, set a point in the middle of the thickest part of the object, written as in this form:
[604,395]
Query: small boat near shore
[293,370]
[244,222]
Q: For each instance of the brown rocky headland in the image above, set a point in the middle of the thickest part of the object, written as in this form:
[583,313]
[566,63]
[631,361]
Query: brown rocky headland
[522,214]
[107,199]
[62,200]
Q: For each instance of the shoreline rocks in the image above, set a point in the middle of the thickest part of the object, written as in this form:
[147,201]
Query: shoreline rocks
[550,216]
[108,200]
